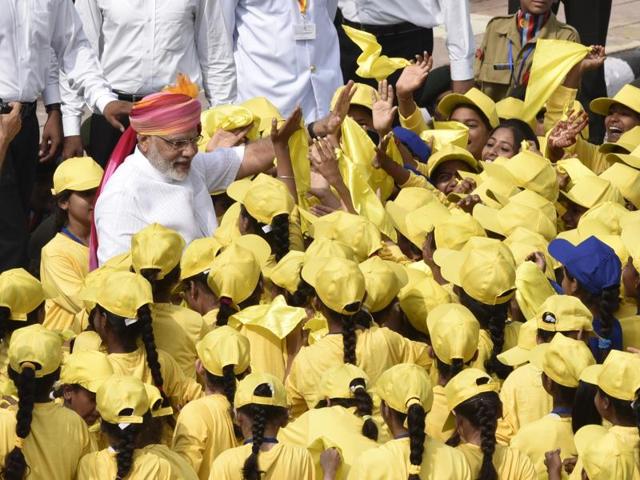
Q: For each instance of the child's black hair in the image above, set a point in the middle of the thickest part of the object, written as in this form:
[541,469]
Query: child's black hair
[226,308]
[584,409]
[520,130]
[415,418]
[277,236]
[302,295]
[127,440]
[623,408]
[447,371]
[60,214]
[481,114]
[9,326]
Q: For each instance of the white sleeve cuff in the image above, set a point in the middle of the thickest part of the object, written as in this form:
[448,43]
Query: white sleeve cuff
[71,125]
[462,69]
[104,100]
[51,94]
[239,151]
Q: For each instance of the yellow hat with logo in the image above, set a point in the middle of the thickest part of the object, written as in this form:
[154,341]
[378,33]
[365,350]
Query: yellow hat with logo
[603,455]
[590,191]
[454,332]
[419,298]
[89,369]
[454,232]
[338,282]
[564,313]
[619,375]
[198,256]
[627,142]
[354,231]
[156,402]
[403,385]
[37,347]
[264,197]
[286,273]
[629,96]
[363,95]
[121,293]
[473,97]
[77,174]
[535,173]
[336,382]
[564,359]
[156,247]
[122,400]
[246,392]
[20,292]
[467,384]
[532,289]
[520,354]
[221,347]
[236,271]
[448,153]
[276,317]
[484,268]
[626,179]
[383,280]
[326,248]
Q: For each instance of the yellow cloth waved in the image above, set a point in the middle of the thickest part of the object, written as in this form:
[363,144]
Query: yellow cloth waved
[552,60]
[370,63]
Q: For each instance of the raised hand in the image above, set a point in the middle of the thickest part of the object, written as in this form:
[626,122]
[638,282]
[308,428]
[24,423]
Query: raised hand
[383,110]
[324,160]
[381,151]
[280,136]
[594,59]
[225,139]
[565,132]
[414,76]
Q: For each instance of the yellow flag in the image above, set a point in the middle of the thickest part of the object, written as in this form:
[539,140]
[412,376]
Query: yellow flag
[552,60]
[370,63]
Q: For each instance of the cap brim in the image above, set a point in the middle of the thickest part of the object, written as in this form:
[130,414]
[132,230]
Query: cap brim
[489,218]
[601,105]
[627,159]
[451,101]
[536,355]
[562,250]
[259,247]
[591,373]
[238,189]
[450,263]
[515,356]
[573,199]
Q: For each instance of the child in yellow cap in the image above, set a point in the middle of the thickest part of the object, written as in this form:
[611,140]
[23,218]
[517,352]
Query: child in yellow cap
[340,292]
[563,360]
[65,259]
[341,419]
[406,394]
[204,428]
[383,281]
[472,396]
[155,254]
[31,436]
[261,406]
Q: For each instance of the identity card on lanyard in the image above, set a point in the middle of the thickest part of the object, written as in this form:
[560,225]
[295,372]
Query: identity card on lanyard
[304,30]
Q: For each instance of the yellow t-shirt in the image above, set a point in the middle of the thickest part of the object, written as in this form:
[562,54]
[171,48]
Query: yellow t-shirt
[437,417]
[281,462]
[203,431]
[181,469]
[177,386]
[63,267]
[176,331]
[323,428]
[548,433]
[391,462]
[268,352]
[630,331]
[485,346]
[524,400]
[377,349]
[52,427]
[103,464]
[210,318]
[509,462]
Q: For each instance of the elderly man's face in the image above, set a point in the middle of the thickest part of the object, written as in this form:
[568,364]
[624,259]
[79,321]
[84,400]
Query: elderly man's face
[171,155]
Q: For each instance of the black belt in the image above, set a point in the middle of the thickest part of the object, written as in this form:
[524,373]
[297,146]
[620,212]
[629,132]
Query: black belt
[128,97]
[385,30]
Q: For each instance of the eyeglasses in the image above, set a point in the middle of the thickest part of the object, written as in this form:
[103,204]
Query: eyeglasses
[182,144]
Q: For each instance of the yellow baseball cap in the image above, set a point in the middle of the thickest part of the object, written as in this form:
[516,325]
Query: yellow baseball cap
[276,317]
[338,282]
[38,346]
[419,298]
[455,231]
[510,107]
[446,133]
[626,179]
[221,347]
[473,97]
[245,394]
[454,332]
[20,292]
[120,262]
[603,455]
[520,354]
[629,236]
[156,247]
[263,113]
[336,382]
[326,248]
[286,273]
[629,96]
[89,369]
[589,191]
[198,256]
[523,242]
[77,174]
[627,142]
[590,374]
[535,173]
[122,400]
[632,159]
[619,375]
[448,153]
[383,280]
[156,401]
[412,198]
[415,224]
[467,384]
[564,359]
[235,272]
[118,292]
[225,117]
[532,289]
[354,231]
[484,268]
[264,197]
[363,95]
[564,313]
[403,385]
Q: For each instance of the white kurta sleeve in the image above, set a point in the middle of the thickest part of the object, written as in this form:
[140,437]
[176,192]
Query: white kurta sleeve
[460,41]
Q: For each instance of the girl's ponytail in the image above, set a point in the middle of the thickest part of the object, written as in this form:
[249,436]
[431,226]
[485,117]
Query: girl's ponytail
[415,423]
[224,312]
[364,408]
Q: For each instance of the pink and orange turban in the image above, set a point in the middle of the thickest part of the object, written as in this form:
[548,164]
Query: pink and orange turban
[174,110]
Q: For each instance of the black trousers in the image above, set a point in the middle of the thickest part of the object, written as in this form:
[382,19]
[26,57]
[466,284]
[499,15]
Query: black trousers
[17,179]
[103,138]
[591,19]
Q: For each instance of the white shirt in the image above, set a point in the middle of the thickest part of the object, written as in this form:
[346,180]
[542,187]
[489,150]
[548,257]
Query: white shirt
[454,14]
[143,44]
[33,35]
[137,194]
[272,64]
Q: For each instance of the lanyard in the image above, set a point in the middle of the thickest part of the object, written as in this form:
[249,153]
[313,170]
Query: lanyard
[66,231]
[512,65]
[303,6]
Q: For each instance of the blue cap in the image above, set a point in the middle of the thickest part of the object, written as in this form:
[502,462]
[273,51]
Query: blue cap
[592,262]
[413,142]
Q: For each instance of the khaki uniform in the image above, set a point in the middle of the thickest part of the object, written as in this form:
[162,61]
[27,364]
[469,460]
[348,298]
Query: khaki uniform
[492,71]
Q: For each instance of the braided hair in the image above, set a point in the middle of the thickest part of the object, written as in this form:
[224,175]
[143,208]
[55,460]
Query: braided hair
[276,235]
[8,326]
[446,371]
[225,311]
[417,436]
[125,443]
[364,408]
[302,295]
[608,303]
